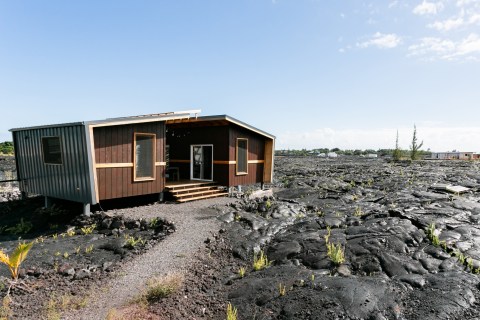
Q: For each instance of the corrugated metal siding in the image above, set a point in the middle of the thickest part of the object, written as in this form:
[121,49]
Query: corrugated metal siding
[70,180]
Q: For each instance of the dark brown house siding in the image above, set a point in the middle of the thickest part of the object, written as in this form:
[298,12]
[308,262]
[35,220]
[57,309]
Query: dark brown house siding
[180,139]
[256,152]
[114,160]
[223,137]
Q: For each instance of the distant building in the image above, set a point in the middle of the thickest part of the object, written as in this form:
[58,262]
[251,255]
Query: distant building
[454,156]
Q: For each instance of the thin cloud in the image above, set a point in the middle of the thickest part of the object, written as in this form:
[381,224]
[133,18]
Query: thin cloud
[434,48]
[382,41]
[428,8]
[448,24]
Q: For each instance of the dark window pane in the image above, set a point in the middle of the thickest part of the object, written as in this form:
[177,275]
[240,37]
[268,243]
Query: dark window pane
[144,148]
[242,156]
[52,151]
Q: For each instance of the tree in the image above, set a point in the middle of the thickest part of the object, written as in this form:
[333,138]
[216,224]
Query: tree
[415,147]
[397,153]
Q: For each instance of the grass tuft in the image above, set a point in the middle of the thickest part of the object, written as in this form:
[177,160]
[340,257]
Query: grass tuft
[162,287]
[260,261]
[336,253]
[231,312]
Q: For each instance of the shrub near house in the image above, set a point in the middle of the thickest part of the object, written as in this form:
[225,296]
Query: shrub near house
[6,148]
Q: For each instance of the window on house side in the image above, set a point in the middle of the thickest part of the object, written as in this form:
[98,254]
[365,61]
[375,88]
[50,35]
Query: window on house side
[144,156]
[52,150]
[242,156]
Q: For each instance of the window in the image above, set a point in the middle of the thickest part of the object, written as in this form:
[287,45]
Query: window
[144,157]
[242,156]
[52,150]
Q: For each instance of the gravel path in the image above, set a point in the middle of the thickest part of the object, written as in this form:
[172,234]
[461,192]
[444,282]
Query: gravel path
[194,223]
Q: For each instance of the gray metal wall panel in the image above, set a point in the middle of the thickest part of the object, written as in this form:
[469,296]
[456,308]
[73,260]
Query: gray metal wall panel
[70,180]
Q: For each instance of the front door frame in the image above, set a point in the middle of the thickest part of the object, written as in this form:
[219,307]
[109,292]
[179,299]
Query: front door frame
[192,161]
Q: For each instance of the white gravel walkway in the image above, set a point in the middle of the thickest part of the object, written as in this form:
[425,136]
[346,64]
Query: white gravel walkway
[194,223]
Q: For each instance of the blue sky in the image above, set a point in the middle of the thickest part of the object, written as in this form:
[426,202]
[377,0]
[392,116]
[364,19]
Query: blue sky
[315,73]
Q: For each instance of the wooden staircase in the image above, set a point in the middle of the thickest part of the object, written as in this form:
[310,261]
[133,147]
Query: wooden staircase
[195,191]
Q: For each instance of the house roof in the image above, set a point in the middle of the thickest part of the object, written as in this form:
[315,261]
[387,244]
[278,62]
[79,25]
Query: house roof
[222,118]
[122,120]
[189,116]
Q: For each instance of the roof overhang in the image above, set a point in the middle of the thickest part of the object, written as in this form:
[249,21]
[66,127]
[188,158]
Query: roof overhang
[218,119]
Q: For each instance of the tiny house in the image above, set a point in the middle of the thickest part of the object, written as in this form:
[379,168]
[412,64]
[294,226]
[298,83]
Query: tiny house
[189,156]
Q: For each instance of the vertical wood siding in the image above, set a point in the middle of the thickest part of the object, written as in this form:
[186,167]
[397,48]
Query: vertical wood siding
[180,139]
[115,145]
[256,151]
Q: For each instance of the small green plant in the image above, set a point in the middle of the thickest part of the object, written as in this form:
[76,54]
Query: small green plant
[369,182]
[89,249]
[77,250]
[282,290]
[320,213]
[470,264]
[299,216]
[66,255]
[231,312]
[336,253]
[358,212]
[241,272]
[433,235]
[71,232]
[131,241]
[55,236]
[57,254]
[162,287]
[460,256]
[355,197]
[260,261]
[153,223]
[14,261]
[20,228]
[88,230]
[40,239]
[327,236]
[237,217]
[268,204]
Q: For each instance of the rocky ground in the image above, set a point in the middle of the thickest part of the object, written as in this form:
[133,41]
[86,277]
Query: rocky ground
[410,248]
[410,251]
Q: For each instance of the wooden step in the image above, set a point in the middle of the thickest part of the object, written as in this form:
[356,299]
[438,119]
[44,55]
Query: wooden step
[215,195]
[187,185]
[174,192]
[187,195]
